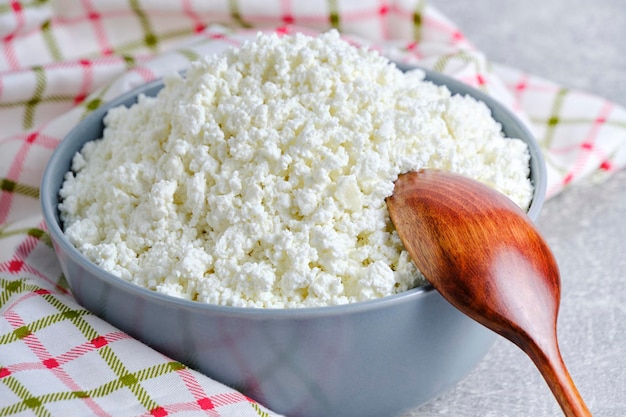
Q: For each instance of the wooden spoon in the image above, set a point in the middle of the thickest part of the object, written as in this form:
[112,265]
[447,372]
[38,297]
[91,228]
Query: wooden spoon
[485,256]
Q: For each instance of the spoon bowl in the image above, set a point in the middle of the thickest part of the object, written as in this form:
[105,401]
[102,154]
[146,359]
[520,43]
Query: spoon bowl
[485,256]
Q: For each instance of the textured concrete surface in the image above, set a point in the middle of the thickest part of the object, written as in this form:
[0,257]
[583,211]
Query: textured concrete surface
[579,44]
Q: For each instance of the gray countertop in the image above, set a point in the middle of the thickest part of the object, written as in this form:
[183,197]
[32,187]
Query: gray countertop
[579,44]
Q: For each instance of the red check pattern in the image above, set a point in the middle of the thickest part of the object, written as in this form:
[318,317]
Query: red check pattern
[61,59]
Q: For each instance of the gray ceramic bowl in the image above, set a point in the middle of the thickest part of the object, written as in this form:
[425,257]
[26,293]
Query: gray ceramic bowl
[375,358]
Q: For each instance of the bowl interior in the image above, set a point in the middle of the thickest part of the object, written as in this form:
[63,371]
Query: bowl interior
[91,128]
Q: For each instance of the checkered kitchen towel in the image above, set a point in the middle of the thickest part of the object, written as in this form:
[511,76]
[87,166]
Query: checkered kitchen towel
[61,59]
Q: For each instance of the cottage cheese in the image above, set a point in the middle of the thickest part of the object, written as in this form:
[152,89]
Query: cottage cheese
[260,179]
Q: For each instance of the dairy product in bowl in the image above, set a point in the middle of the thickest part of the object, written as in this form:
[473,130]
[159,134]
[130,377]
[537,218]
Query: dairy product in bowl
[260,178]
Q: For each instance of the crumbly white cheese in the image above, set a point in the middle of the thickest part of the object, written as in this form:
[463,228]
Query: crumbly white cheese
[260,178]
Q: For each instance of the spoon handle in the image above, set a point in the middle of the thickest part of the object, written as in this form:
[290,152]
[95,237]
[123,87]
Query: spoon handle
[550,362]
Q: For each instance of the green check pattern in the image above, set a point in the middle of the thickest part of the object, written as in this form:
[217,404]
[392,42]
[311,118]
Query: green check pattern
[61,60]
[127,373]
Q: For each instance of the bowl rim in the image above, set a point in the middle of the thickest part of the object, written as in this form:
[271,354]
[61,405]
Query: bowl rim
[49,202]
